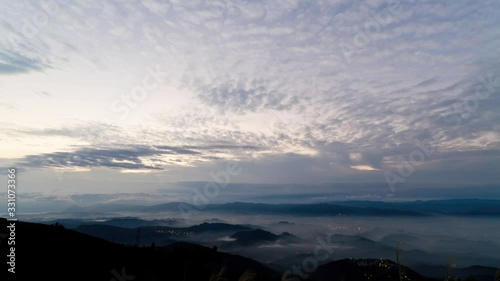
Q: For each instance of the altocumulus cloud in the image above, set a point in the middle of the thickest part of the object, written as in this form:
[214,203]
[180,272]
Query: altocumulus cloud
[265,83]
[128,157]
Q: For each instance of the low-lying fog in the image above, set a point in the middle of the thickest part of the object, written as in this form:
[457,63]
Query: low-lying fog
[433,240]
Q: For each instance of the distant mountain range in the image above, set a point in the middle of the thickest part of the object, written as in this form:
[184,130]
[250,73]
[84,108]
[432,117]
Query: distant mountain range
[457,207]
[259,236]
[127,222]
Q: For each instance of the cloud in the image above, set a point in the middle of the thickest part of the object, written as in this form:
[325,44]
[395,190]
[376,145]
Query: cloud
[131,158]
[240,98]
[44,94]
[124,158]
[209,147]
[263,83]
[364,168]
[14,63]
[159,7]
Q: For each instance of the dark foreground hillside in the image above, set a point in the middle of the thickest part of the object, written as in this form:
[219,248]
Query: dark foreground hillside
[365,269]
[52,252]
[47,252]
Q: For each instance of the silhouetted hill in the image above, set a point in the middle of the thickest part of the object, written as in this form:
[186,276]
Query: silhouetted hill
[290,238]
[143,235]
[217,227]
[480,273]
[49,252]
[254,236]
[259,236]
[55,253]
[208,258]
[161,235]
[128,222]
[364,269]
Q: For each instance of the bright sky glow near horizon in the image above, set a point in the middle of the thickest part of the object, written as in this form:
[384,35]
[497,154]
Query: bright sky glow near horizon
[139,97]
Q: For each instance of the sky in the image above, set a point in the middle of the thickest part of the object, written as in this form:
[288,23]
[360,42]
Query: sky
[146,101]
